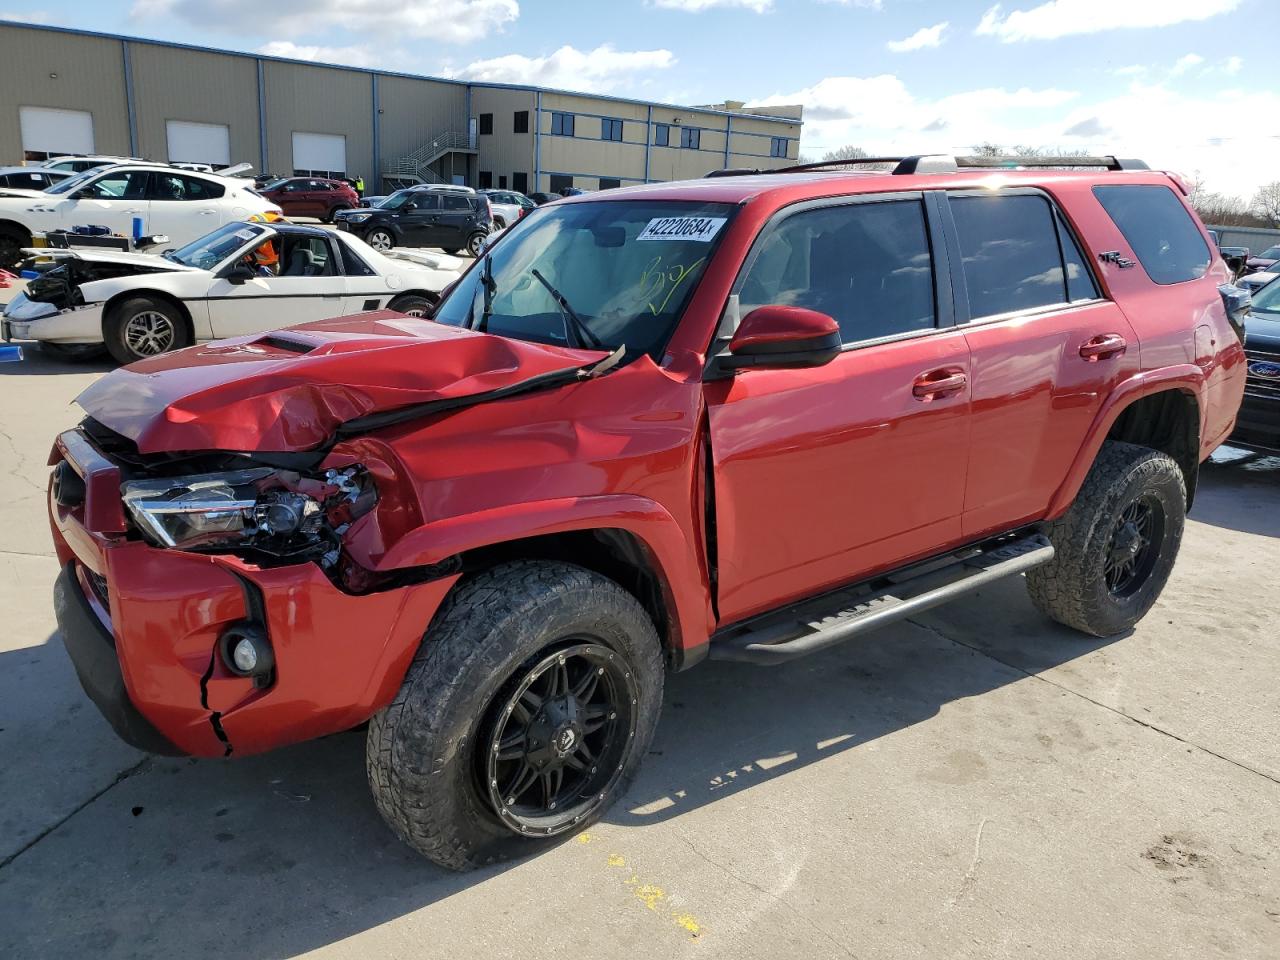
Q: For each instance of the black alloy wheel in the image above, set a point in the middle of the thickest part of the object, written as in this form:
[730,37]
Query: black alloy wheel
[1134,546]
[558,739]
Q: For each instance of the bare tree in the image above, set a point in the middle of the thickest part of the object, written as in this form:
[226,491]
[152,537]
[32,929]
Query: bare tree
[847,152]
[1266,203]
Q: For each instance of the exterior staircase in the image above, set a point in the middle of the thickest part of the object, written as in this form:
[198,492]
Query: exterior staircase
[416,167]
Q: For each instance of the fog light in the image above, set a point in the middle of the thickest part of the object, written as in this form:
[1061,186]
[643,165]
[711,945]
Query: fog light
[246,652]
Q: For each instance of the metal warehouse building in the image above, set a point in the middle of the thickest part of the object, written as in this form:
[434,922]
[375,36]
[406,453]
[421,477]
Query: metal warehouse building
[68,91]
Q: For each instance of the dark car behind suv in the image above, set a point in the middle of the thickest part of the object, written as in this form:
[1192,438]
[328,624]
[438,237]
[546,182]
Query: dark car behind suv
[1258,426]
[311,197]
[453,220]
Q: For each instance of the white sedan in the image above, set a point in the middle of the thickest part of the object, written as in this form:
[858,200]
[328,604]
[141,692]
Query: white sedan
[242,278]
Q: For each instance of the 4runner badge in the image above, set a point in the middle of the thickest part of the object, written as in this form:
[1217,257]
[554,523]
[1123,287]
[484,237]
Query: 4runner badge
[1114,256]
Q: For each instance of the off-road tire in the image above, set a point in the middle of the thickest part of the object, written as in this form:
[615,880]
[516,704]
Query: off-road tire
[412,304]
[1072,588]
[115,327]
[420,750]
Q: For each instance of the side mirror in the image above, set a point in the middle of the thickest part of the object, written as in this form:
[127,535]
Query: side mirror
[238,274]
[409,205]
[779,337]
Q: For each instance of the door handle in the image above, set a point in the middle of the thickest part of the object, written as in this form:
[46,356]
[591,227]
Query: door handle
[938,383]
[1102,347]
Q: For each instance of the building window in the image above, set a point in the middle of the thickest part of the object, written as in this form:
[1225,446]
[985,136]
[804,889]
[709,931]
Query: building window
[502,181]
[560,181]
[522,121]
[691,138]
[778,147]
[610,129]
[610,183]
[562,124]
[662,134]
[520,181]
[486,179]
[486,123]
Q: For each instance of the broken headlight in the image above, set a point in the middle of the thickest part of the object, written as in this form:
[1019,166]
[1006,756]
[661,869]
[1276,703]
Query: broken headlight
[278,511]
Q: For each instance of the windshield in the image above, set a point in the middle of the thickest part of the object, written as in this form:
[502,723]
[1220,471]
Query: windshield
[211,249]
[396,200]
[625,268]
[1271,253]
[1267,299]
[72,183]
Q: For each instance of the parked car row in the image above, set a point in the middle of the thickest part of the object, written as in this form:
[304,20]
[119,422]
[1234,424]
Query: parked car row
[449,217]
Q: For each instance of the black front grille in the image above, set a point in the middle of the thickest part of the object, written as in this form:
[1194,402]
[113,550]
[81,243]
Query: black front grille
[1264,373]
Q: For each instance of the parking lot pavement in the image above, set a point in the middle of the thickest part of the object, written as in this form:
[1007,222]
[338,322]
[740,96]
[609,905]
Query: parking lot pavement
[978,783]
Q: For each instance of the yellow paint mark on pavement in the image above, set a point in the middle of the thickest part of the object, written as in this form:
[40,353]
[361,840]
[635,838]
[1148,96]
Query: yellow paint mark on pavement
[616,861]
[584,838]
[650,896]
[687,921]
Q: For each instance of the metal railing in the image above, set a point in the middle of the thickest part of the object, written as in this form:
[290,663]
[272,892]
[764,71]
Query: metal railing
[417,165]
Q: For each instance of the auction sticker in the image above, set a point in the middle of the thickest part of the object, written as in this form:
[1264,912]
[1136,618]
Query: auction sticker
[702,229]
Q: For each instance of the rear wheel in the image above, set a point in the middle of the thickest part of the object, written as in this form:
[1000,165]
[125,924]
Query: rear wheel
[475,244]
[412,305]
[380,239]
[142,327]
[12,240]
[523,717]
[1115,547]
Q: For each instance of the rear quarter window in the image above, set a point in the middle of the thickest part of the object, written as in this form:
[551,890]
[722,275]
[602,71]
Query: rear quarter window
[1163,236]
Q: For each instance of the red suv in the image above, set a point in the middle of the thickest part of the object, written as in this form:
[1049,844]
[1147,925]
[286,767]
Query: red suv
[311,197]
[742,418]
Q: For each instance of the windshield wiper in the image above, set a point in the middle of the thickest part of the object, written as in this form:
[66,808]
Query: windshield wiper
[576,333]
[490,287]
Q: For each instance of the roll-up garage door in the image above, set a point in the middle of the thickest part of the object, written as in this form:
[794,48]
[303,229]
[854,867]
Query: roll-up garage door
[319,154]
[199,143]
[47,132]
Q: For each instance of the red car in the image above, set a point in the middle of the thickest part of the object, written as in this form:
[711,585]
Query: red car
[742,418]
[311,197]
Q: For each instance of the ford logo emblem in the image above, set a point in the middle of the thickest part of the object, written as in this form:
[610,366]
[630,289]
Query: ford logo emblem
[1265,369]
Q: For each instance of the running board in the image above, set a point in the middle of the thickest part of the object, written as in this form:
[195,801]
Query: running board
[822,622]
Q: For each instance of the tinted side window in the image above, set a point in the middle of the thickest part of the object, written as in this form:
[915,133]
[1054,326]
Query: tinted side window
[1080,282]
[454,201]
[1166,240]
[426,200]
[1009,246]
[119,186]
[352,265]
[866,264]
[173,186]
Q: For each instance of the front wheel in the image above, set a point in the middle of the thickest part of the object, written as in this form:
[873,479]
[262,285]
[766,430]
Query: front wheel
[380,239]
[412,305]
[142,327]
[1115,546]
[525,714]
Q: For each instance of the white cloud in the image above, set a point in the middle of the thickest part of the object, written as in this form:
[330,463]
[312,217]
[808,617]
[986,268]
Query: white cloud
[595,71]
[448,21]
[1231,66]
[1061,18]
[1186,130]
[43,19]
[1183,64]
[698,6]
[924,37]
[361,55]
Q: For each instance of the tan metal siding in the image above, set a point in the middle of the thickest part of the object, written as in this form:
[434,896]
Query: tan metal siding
[505,152]
[174,84]
[307,99]
[90,77]
[416,111]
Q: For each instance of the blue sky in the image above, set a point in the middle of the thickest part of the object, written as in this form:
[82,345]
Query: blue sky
[1165,80]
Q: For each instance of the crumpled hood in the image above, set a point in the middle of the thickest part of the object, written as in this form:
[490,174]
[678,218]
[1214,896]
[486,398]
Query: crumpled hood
[289,390]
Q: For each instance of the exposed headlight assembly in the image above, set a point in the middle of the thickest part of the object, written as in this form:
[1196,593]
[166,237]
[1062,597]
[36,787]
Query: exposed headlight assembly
[275,511]
[357,217]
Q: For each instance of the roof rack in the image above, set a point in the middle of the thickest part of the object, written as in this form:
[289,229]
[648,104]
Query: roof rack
[945,163]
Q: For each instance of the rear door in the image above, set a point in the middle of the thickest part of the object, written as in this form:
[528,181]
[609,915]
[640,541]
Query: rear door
[827,475]
[457,220]
[184,207]
[1047,349]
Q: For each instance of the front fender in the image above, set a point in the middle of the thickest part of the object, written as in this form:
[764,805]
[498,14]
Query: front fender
[679,565]
[1186,377]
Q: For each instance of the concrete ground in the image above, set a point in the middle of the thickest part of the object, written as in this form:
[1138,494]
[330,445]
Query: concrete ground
[977,783]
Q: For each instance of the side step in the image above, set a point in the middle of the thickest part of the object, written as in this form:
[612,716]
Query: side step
[822,622]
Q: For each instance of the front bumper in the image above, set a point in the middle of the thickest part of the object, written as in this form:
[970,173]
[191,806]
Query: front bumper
[1258,423]
[25,319]
[339,658]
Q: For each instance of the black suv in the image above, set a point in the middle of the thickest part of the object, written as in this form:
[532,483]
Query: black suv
[423,217]
[1258,425]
